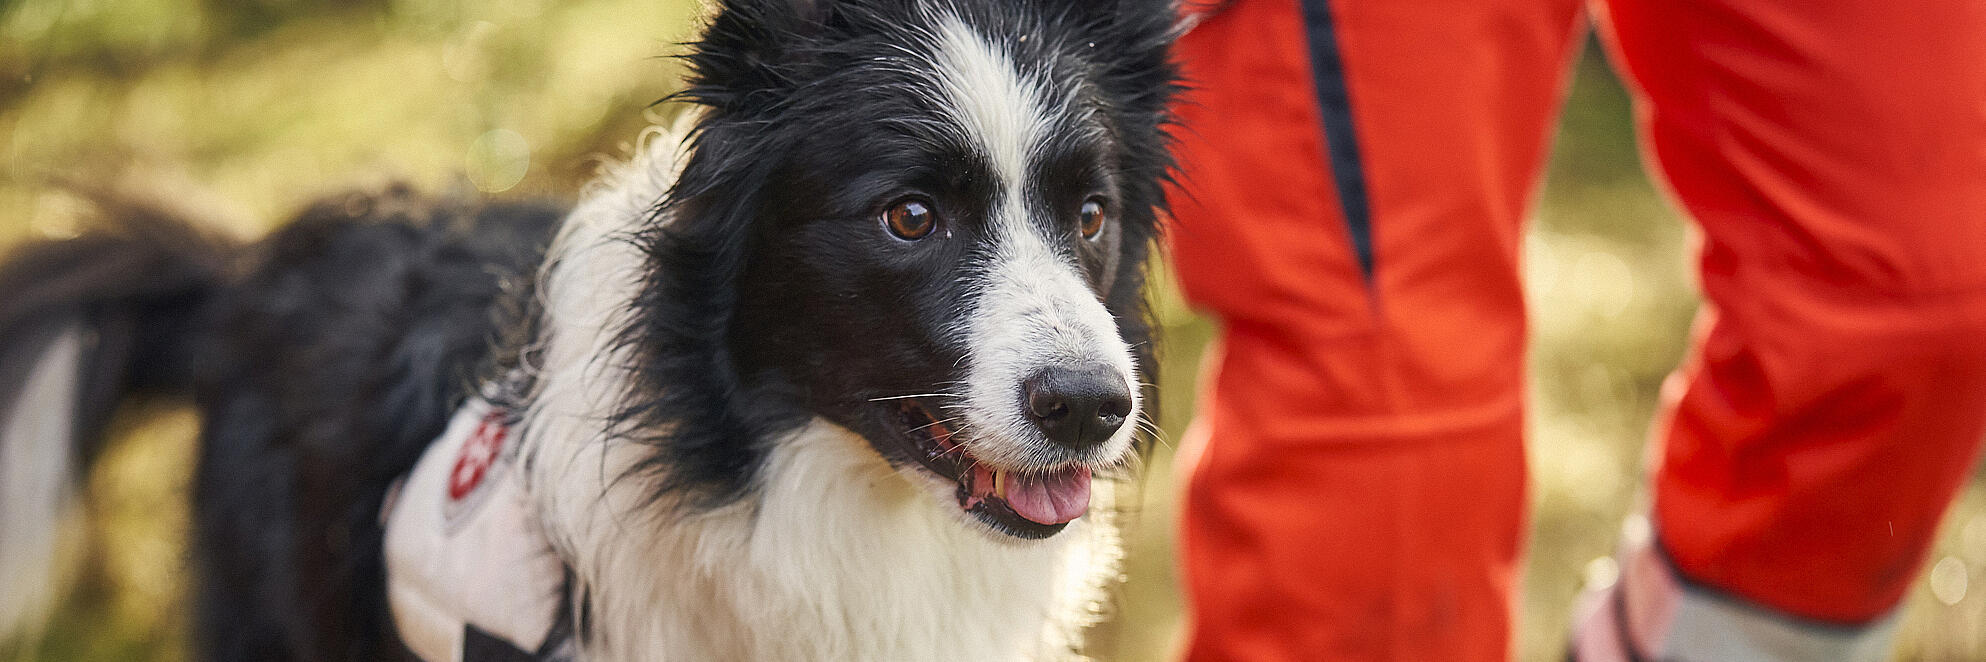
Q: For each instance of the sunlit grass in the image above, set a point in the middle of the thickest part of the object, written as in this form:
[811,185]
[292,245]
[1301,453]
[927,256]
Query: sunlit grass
[247,109]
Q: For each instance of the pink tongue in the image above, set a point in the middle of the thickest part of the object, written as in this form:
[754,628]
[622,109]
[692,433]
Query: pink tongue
[1050,499]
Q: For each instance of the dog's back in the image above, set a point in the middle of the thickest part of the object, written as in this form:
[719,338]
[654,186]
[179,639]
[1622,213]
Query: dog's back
[325,358]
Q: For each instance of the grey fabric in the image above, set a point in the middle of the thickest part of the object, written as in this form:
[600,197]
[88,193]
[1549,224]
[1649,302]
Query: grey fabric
[1652,612]
[1711,627]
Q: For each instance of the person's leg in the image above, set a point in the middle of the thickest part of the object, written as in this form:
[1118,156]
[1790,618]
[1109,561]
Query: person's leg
[1356,173]
[1834,154]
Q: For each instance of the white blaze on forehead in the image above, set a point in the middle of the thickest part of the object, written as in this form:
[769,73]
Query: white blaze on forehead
[1033,308]
[987,96]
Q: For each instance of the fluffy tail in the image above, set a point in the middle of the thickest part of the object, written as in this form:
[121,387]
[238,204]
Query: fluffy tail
[84,322]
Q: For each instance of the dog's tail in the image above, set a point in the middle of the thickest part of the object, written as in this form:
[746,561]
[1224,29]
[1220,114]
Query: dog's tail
[83,322]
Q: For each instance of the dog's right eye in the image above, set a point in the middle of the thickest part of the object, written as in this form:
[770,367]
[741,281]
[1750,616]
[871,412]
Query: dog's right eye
[911,218]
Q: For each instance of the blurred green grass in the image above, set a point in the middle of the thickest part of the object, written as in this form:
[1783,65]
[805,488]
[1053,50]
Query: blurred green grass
[265,103]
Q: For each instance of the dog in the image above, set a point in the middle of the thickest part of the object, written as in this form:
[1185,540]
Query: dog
[839,367]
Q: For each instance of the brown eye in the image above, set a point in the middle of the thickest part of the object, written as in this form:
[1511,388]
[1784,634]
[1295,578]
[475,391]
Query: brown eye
[911,218]
[1093,215]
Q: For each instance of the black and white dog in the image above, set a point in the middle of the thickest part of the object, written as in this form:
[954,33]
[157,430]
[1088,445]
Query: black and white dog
[837,369]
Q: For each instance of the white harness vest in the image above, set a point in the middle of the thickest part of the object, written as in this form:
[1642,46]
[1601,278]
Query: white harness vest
[469,574]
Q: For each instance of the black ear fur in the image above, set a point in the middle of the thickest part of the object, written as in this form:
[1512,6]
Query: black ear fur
[750,49]
[811,11]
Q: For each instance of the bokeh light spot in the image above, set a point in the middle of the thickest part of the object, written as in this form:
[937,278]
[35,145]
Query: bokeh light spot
[1602,572]
[498,160]
[1948,580]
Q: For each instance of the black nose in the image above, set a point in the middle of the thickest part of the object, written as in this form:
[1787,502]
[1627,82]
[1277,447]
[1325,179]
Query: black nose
[1078,406]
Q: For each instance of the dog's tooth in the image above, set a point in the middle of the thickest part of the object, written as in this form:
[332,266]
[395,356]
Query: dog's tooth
[1000,483]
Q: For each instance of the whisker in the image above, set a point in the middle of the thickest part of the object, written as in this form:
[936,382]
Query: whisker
[914,395]
[1156,433]
[933,424]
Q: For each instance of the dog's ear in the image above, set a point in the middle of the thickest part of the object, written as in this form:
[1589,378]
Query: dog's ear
[1138,73]
[752,47]
[797,15]
[1167,7]
[775,17]
[814,12]
[1134,12]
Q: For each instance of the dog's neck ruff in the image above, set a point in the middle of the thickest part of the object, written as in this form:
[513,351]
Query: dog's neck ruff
[470,575]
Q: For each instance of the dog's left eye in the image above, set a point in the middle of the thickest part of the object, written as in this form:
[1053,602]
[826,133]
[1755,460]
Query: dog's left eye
[1093,215]
[911,218]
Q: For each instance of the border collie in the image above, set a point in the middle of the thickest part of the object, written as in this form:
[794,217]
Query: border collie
[839,368]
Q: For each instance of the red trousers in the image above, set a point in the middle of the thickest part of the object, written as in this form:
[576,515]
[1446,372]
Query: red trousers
[1356,176]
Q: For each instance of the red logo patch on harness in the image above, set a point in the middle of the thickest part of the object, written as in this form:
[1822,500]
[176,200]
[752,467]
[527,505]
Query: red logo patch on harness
[481,457]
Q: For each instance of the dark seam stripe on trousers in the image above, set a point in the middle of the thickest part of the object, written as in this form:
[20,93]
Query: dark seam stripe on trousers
[1327,65]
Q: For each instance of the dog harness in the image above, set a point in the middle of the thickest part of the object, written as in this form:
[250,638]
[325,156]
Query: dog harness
[470,576]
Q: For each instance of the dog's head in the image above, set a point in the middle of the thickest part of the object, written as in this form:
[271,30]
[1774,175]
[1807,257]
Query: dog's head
[928,222]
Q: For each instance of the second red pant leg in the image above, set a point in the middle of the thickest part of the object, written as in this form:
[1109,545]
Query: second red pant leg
[1834,154]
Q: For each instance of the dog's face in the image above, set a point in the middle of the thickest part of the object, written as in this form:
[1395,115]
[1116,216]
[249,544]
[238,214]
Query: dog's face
[943,244]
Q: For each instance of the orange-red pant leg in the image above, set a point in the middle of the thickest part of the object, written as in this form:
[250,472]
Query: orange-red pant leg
[1834,155]
[1358,481]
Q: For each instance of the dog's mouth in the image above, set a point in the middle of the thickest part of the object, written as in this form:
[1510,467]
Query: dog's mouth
[1032,504]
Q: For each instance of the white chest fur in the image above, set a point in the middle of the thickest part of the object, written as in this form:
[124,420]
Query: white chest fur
[841,558]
